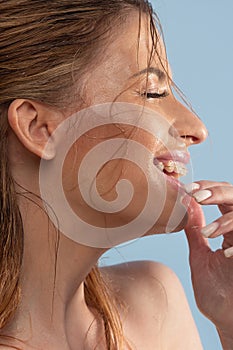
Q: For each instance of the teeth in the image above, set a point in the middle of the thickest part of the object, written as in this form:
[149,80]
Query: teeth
[180,169]
[172,167]
[160,166]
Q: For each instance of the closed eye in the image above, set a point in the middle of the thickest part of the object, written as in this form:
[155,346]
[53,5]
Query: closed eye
[149,95]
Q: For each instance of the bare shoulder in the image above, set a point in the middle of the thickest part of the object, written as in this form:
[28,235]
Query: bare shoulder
[149,282]
[140,279]
[156,308]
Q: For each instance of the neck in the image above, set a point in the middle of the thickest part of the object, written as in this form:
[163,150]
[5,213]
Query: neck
[53,274]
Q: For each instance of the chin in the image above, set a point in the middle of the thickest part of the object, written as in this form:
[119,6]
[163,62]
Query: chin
[173,223]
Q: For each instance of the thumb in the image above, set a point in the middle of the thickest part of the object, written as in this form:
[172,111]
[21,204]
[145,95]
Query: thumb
[198,245]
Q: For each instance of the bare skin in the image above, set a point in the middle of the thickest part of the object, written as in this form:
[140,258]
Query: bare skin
[157,309]
[212,271]
[154,297]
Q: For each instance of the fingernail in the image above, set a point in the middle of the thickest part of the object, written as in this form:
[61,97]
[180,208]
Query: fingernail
[202,195]
[209,229]
[189,188]
[228,252]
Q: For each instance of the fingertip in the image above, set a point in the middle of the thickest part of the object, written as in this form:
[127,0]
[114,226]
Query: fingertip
[202,195]
[189,188]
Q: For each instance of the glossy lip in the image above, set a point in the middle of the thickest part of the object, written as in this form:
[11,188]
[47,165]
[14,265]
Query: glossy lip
[177,156]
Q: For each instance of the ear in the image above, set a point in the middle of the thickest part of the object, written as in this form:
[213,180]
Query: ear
[33,123]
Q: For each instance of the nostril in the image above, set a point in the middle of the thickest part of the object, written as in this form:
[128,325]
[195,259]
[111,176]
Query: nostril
[190,139]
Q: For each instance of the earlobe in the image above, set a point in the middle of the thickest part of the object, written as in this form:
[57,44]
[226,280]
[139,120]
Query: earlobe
[33,124]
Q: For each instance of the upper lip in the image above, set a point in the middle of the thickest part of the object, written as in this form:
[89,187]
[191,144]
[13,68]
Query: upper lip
[176,156]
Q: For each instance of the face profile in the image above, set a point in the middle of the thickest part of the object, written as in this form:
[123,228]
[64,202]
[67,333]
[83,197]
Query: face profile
[145,90]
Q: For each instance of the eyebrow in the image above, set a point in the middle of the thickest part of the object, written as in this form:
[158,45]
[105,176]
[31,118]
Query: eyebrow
[151,70]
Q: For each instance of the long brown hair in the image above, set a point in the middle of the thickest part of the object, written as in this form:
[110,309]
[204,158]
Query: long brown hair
[44,47]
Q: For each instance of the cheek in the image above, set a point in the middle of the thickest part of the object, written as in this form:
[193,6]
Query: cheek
[119,183]
[113,183]
[123,192]
[125,182]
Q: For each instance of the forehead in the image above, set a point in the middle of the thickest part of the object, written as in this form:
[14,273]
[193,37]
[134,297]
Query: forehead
[135,47]
[126,56]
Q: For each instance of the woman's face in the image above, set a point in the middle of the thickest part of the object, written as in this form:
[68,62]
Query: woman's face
[123,75]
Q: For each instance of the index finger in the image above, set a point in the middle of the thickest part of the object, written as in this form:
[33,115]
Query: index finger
[204,184]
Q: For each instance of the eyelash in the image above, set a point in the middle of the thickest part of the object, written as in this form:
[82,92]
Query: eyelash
[149,95]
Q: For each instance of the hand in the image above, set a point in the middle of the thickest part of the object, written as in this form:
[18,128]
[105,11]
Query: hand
[212,272]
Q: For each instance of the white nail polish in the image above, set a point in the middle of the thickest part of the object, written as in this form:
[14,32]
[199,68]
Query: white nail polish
[228,252]
[209,229]
[202,195]
[189,188]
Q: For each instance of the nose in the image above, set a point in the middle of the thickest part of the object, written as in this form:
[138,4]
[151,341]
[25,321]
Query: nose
[188,125]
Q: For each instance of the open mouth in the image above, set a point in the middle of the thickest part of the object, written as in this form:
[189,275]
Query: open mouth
[171,168]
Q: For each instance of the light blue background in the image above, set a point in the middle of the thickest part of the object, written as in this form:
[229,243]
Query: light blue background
[199,40]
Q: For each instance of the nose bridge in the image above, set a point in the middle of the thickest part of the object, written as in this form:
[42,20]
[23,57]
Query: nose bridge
[188,125]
